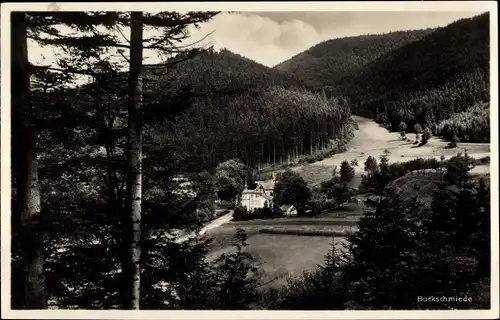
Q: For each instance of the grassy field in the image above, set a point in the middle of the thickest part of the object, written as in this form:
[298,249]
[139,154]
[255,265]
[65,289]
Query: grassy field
[372,140]
[278,256]
[286,247]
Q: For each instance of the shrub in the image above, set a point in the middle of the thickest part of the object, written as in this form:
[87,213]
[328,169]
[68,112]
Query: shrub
[290,188]
[426,136]
[482,161]
[240,213]
[453,142]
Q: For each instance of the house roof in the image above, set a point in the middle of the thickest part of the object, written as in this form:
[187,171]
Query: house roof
[286,207]
[267,197]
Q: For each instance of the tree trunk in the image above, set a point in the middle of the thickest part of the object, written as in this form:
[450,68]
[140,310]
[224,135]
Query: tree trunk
[25,166]
[134,159]
[274,155]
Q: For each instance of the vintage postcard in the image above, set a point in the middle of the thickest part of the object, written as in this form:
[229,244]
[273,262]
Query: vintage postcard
[249,160]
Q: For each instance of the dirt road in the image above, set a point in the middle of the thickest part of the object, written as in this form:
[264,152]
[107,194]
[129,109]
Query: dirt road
[212,225]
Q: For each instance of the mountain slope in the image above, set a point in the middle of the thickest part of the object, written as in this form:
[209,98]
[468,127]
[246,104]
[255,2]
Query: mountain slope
[225,70]
[242,109]
[423,77]
[428,80]
[329,62]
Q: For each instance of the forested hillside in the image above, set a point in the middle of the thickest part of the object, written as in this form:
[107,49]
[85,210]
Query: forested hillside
[426,79]
[268,126]
[236,107]
[329,62]
[225,70]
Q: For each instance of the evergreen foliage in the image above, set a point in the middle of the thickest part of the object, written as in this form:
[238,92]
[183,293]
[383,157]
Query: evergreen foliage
[326,65]
[346,172]
[290,188]
[404,250]
[426,76]
[258,127]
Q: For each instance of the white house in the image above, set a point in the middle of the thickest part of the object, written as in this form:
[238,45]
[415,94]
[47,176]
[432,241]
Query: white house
[289,210]
[258,197]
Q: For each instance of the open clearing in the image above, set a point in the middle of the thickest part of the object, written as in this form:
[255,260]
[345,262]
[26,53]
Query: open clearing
[371,140]
[282,255]
[278,256]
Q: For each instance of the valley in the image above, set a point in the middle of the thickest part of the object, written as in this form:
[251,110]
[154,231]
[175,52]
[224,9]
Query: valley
[283,255]
[157,176]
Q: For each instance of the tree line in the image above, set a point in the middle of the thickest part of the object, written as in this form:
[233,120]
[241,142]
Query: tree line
[259,128]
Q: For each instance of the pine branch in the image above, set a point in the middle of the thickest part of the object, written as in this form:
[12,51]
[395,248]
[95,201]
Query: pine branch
[175,49]
[189,55]
[171,19]
[69,70]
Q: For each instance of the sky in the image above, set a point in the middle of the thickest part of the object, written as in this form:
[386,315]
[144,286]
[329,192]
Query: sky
[272,37]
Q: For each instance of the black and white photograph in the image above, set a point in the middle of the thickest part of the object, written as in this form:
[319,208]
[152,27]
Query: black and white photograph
[275,158]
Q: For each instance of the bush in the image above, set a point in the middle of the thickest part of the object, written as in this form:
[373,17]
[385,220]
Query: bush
[454,141]
[266,213]
[290,188]
[482,161]
[241,213]
[426,136]
[371,165]
[301,232]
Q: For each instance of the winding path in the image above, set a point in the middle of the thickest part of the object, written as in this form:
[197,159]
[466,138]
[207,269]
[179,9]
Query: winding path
[211,225]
